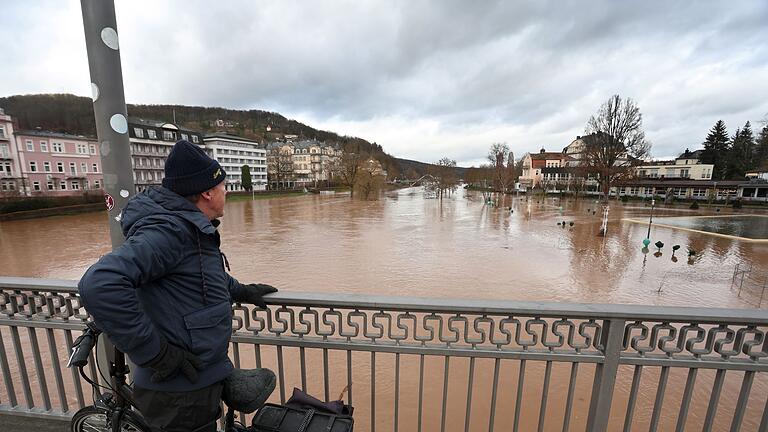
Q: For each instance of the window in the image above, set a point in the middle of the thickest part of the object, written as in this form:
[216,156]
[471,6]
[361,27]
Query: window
[195,139]
[2,135]
[30,146]
[36,186]
[75,185]
[81,148]
[49,185]
[85,185]
[47,166]
[684,173]
[57,147]
[83,167]
[33,166]
[139,132]
[63,185]
[169,136]
[151,134]
[92,148]
[185,137]
[96,184]
[60,167]
[72,168]
[44,146]
[5,169]
[95,168]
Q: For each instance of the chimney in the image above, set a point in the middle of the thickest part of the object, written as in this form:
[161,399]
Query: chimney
[542,150]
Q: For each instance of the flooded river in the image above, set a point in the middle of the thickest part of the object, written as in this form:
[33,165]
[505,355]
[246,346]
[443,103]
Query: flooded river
[544,248]
[404,244]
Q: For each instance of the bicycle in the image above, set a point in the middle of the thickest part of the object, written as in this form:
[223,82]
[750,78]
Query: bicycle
[115,411]
[112,411]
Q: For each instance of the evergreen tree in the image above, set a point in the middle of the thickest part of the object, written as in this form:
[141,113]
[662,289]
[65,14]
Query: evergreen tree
[742,154]
[761,153]
[716,149]
[245,182]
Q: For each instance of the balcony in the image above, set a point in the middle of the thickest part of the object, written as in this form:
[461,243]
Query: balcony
[424,363]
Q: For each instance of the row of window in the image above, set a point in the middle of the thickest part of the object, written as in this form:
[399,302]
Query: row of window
[241,152]
[33,167]
[149,148]
[151,176]
[73,185]
[167,135]
[242,161]
[60,147]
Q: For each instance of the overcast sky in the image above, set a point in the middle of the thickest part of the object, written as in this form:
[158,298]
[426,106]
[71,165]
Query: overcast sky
[425,79]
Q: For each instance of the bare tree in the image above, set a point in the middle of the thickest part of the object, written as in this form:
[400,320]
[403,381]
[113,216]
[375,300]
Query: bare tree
[444,171]
[280,167]
[503,165]
[615,143]
[347,169]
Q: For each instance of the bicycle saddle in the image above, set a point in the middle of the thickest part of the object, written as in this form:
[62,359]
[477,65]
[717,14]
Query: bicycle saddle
[246,390]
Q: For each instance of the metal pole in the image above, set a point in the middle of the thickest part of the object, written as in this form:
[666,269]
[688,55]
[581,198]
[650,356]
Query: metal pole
[102,44]
[103,48]
[650,221]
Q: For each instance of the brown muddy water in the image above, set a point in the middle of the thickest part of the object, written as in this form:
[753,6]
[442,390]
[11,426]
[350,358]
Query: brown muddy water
[406,245]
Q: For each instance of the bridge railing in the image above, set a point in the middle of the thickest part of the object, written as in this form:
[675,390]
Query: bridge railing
[444,364]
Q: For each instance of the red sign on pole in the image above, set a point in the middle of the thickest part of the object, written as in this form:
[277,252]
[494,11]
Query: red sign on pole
[109,201]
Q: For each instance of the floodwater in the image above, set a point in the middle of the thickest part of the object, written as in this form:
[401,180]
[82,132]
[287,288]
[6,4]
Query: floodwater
[404,244]
[545,248]
[747,226]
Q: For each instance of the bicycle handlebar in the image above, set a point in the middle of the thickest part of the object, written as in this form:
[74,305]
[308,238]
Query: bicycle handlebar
[83,345]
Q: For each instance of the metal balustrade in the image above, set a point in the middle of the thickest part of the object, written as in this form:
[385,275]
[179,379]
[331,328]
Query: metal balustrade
[433,363]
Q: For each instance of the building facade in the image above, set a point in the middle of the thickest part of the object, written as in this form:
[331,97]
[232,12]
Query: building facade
[546,169]
[232,153]
[54,163]
[10,172]
[151,142]
[301,163]
[686,166]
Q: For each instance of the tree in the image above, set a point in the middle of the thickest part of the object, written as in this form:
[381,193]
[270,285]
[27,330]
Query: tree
[245,174]
[503,165]
[444,171]
[761,157]
[742,155]
[347,169]
[615,142]
[716,148]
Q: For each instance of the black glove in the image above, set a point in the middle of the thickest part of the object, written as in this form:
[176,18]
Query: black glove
[254,294]
[173,360]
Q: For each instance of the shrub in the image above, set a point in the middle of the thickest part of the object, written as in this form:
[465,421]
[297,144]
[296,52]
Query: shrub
[737,204]
[694,205]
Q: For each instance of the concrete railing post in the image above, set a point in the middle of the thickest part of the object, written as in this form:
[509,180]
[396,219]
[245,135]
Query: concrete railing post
[605,375]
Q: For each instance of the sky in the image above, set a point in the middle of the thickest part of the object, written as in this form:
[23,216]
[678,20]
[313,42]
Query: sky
[424,79]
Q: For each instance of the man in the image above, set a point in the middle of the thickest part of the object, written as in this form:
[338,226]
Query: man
[164,296]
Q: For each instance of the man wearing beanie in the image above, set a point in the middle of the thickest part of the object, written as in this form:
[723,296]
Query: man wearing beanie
[165,299]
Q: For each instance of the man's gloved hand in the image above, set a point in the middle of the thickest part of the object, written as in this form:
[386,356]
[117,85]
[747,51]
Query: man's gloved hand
[173,360]
[254,294]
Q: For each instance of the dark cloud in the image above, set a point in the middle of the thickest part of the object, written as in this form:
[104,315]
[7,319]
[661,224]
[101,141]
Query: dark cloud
[425,78]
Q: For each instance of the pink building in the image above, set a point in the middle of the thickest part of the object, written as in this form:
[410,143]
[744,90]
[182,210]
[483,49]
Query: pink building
[54,163]
[10,172]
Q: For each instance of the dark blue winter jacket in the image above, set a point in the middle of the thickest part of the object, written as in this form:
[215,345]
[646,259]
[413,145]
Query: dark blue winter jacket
[167,281]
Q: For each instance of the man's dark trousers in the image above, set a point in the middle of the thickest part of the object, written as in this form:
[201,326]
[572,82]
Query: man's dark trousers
[192,411]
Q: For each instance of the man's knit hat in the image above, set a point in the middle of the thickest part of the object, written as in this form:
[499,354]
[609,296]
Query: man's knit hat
[189,171]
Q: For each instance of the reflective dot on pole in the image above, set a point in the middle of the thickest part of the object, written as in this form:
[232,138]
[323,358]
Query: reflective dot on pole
[94,92]
[109,37]
[118,123]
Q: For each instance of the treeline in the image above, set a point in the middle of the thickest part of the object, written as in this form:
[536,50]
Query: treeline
[74,114]
[737,154]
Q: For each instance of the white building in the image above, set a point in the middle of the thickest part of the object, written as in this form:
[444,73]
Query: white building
[151,142]
[686,166]
[233,152]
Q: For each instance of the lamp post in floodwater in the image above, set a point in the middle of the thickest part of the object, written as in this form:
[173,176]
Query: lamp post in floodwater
[650,220]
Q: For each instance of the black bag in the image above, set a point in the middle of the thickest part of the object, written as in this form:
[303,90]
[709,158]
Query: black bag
[279,418]
[304,413]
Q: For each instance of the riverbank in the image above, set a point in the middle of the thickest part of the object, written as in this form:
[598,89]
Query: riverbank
[53,211]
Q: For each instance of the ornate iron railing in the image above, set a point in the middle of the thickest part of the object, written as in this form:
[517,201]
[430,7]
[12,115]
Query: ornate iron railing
[429,363]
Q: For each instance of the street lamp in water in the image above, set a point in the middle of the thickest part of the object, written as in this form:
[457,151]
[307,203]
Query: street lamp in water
[650,220]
